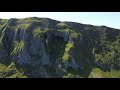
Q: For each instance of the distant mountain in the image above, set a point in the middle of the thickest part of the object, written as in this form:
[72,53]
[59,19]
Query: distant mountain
[44,48]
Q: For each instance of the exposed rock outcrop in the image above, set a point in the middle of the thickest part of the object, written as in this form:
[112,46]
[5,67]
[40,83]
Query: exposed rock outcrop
[42,47]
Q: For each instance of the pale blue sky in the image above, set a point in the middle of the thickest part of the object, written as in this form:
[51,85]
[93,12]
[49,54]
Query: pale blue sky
[110,19]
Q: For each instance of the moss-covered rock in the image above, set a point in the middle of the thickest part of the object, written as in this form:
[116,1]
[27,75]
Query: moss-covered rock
[44,48]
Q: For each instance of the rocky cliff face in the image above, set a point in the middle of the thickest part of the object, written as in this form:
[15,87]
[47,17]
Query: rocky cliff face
[45,48]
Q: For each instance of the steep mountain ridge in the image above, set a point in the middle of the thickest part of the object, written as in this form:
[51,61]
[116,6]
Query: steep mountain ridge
[45,48]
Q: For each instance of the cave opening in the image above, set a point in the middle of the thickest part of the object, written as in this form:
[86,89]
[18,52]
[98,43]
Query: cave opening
[56,47]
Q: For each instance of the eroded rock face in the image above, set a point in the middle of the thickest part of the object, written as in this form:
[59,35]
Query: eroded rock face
[47,48]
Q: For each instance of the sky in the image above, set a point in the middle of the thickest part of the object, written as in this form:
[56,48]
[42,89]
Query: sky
[110,19]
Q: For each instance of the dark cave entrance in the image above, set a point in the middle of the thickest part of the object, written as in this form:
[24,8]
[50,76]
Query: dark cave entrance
[56,47]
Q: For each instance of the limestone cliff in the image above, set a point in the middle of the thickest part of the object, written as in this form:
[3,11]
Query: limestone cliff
[45,48]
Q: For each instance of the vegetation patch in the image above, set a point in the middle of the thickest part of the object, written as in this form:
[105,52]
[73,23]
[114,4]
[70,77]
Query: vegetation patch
[67,49]
[37,33]
[98,73]
[18,47]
